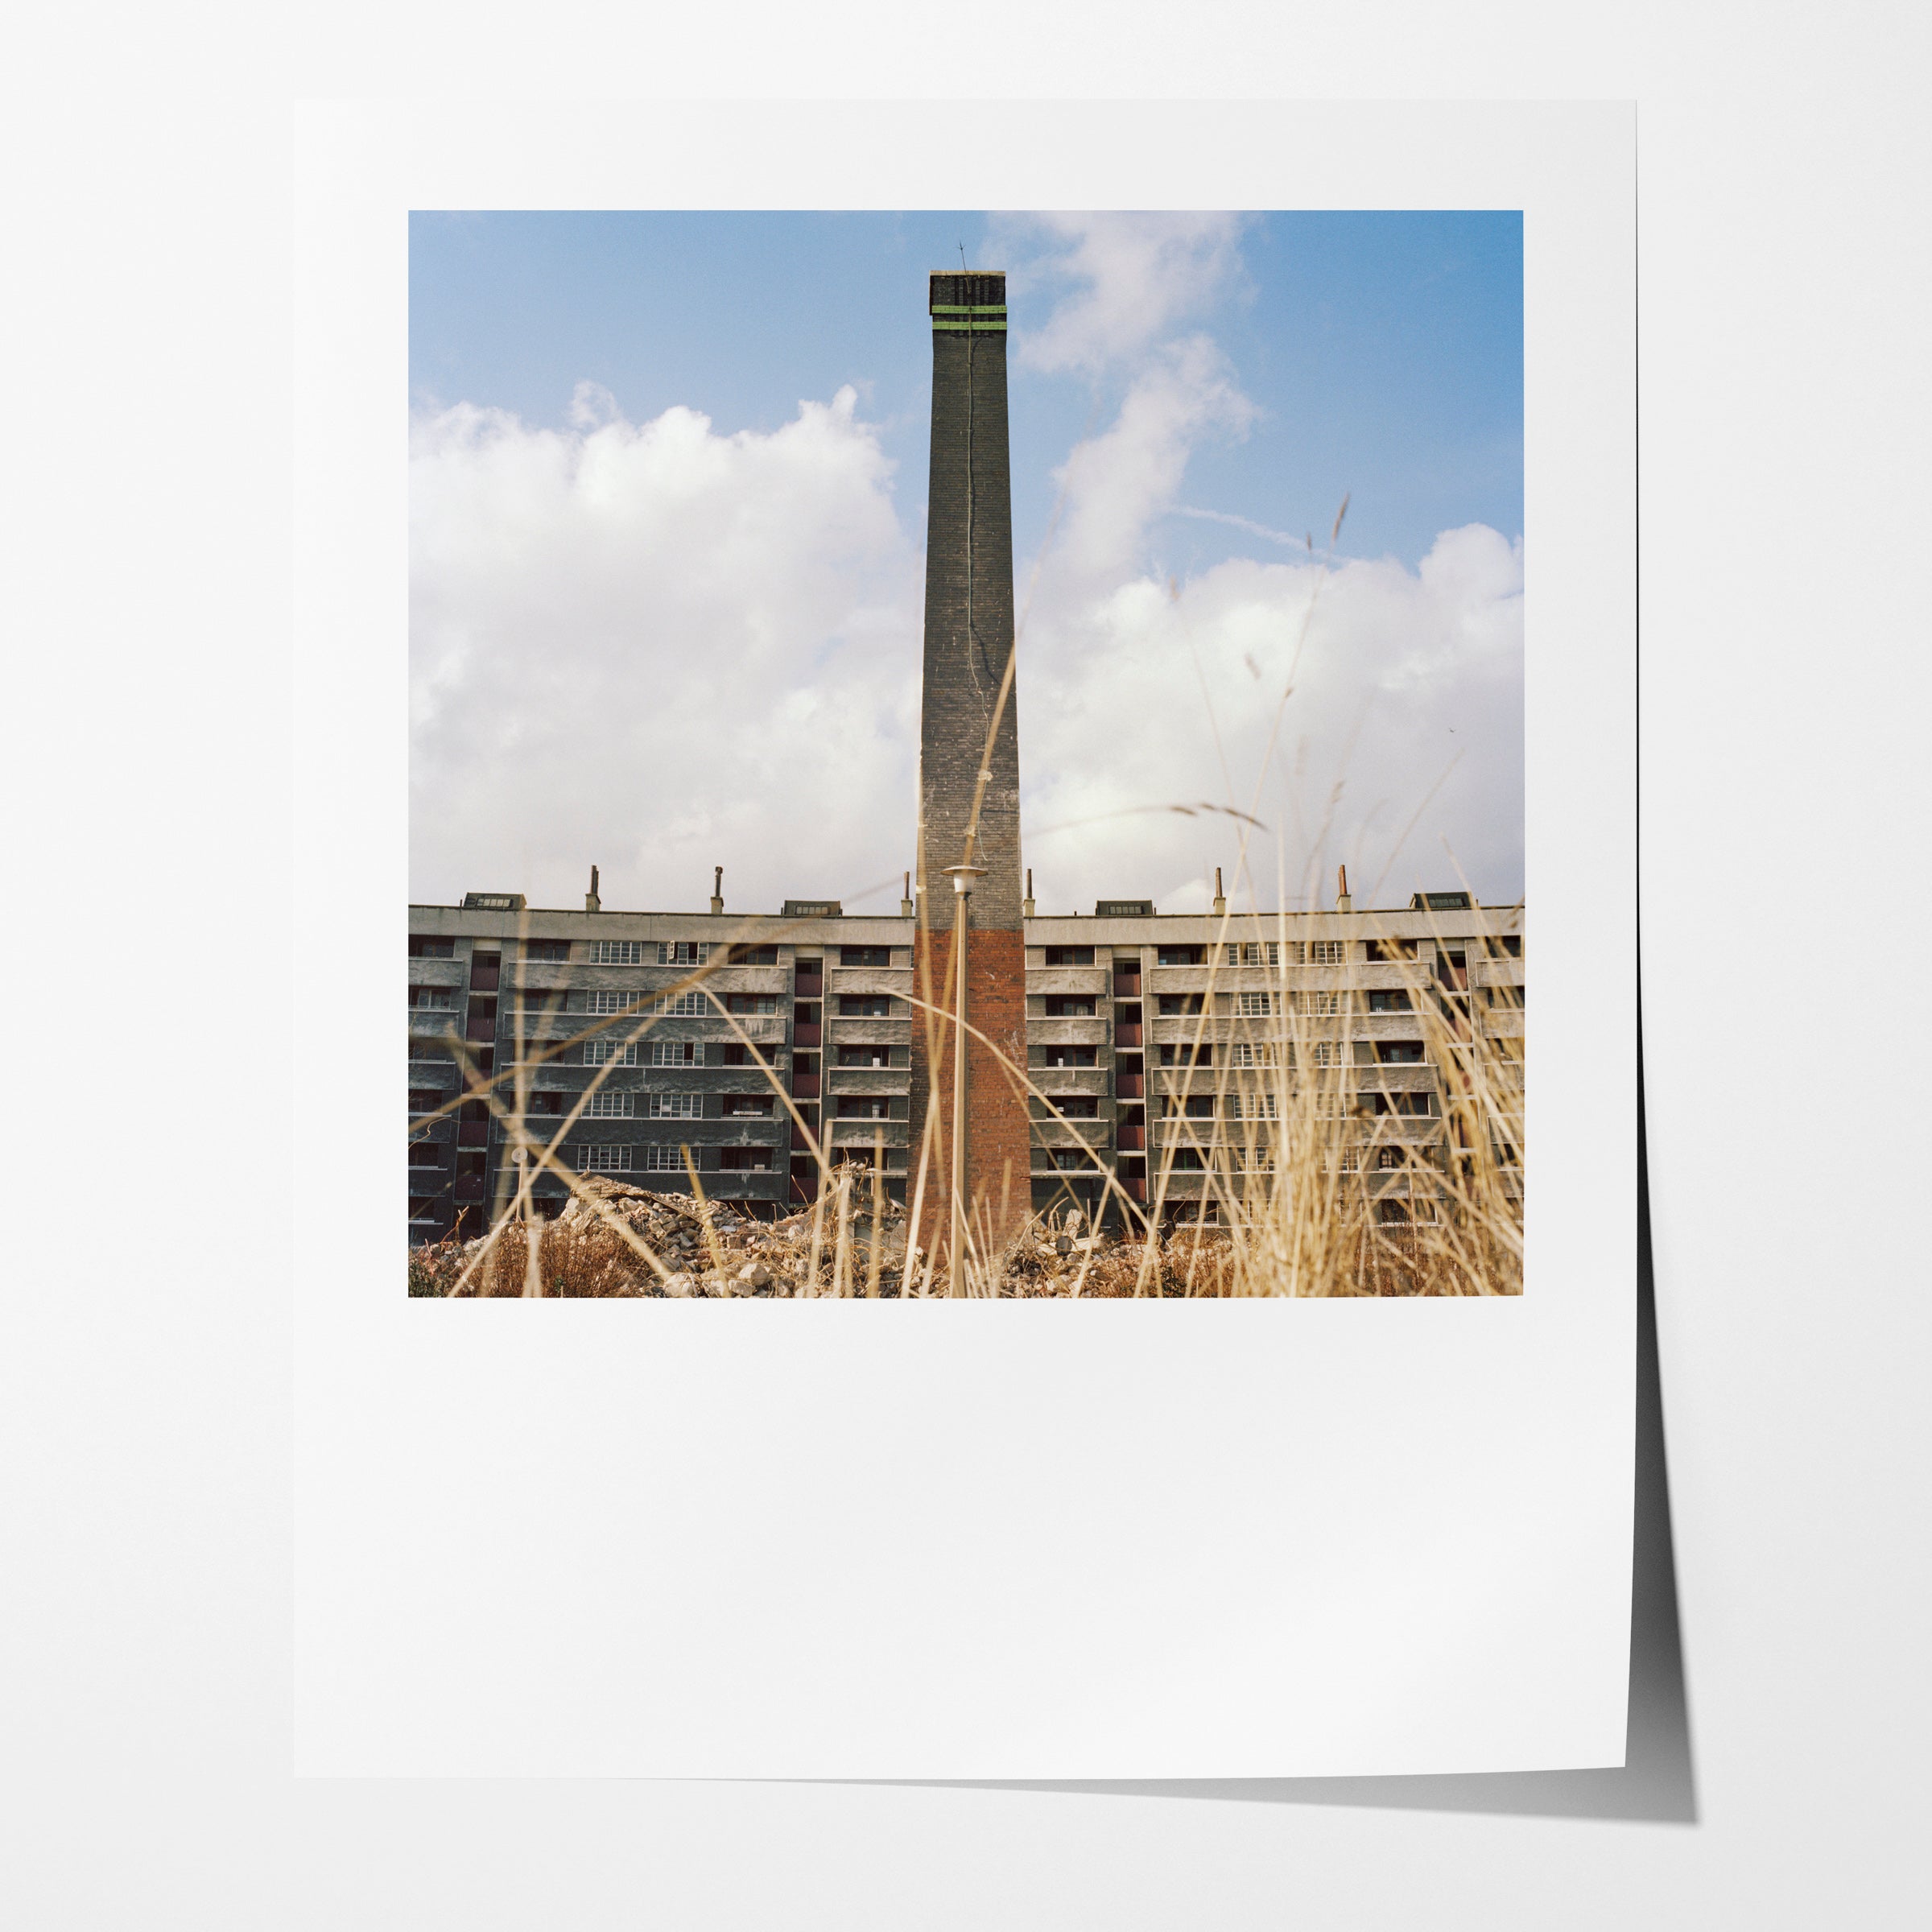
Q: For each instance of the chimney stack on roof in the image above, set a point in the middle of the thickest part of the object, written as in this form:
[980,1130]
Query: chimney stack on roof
[1026,903]
[592,902]
[1220,898]
[718,888]
[1342,902]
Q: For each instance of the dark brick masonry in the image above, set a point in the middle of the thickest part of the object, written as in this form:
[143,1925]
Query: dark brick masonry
[969,638]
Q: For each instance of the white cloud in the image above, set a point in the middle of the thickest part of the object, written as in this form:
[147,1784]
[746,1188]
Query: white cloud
[1135,278]
[658,649]
[1406,696]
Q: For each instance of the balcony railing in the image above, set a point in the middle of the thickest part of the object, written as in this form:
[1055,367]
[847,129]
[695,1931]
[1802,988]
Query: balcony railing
[804,1086]
[802,1035]
[1130,1086]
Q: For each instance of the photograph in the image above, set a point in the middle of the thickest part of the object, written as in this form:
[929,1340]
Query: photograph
[1098,873]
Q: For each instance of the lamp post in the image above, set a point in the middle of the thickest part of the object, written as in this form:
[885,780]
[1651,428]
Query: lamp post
[962,877]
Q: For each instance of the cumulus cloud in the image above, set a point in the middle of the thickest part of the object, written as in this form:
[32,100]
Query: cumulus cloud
[1133,278]
[1370,714]
[658,648]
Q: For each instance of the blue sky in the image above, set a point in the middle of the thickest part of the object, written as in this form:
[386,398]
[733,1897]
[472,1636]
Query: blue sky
[675,465]
[1383,352]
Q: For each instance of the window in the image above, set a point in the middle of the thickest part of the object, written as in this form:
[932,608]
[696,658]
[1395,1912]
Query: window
[1387,1157]
[472,1164]
[1399,1053]
[1511,945]
[1252,952]
[422,946]
[682,952]
[1351,1161]
[597,1052]
[865,955]
[1070,955]
[1256,1005]
[660,1159]
[735,1053]
[1413,1104]
[864,1056]
[604,1159]
[1252,1053]
[1079,1107]
[1069,1006]
[682,1005]
[752,956]
[1195,1107]
[754,1106]
[1389,1000]
[863,1107]
[676,1106]
[1259,1159]
[1328,952]
[864,1005]
[425,1153]
[599,999]
[432,999]
[677,1053]
[1441,901]
[423,1208]
[1323,1005]
[1178,1006]
[1389,951]
[1510,998]
[552,950]
[751,1002]
[615,953]
[547,1101]
[1187,1056]
[745,1160]
[1252,1106]
[1066,1158]
[1180,955]
[609,1106]
[1332,1053]
[423,1099]
[1186,1160]
[1072,1056]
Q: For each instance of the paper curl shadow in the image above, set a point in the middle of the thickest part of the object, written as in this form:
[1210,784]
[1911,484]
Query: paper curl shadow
[1656,1784]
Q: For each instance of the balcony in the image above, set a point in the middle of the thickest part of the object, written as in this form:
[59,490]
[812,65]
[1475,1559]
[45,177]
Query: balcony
[803,1036]
[1090,981]
[1130,1086]
[473,1134]
[870,1080]
[484,979]
[808,986]
[1128,1036]
[804,1086]
[1131,1140]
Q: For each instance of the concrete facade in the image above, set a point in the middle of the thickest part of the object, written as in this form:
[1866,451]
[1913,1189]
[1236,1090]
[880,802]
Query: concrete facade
[826,1003]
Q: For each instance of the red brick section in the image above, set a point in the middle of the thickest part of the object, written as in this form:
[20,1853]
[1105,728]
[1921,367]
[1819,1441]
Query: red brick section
[997,1141]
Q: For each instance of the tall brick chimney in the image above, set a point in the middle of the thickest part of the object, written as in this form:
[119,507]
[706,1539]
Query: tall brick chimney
[969,778]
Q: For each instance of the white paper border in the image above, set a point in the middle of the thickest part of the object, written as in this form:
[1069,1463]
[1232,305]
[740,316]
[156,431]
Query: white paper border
[963,1540]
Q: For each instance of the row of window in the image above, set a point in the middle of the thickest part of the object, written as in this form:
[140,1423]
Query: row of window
[660,1158]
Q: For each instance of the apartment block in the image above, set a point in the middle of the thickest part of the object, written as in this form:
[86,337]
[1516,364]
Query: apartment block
[659,1046]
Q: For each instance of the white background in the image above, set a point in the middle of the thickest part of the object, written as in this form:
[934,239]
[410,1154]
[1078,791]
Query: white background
[951,1542]
[143,1386]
